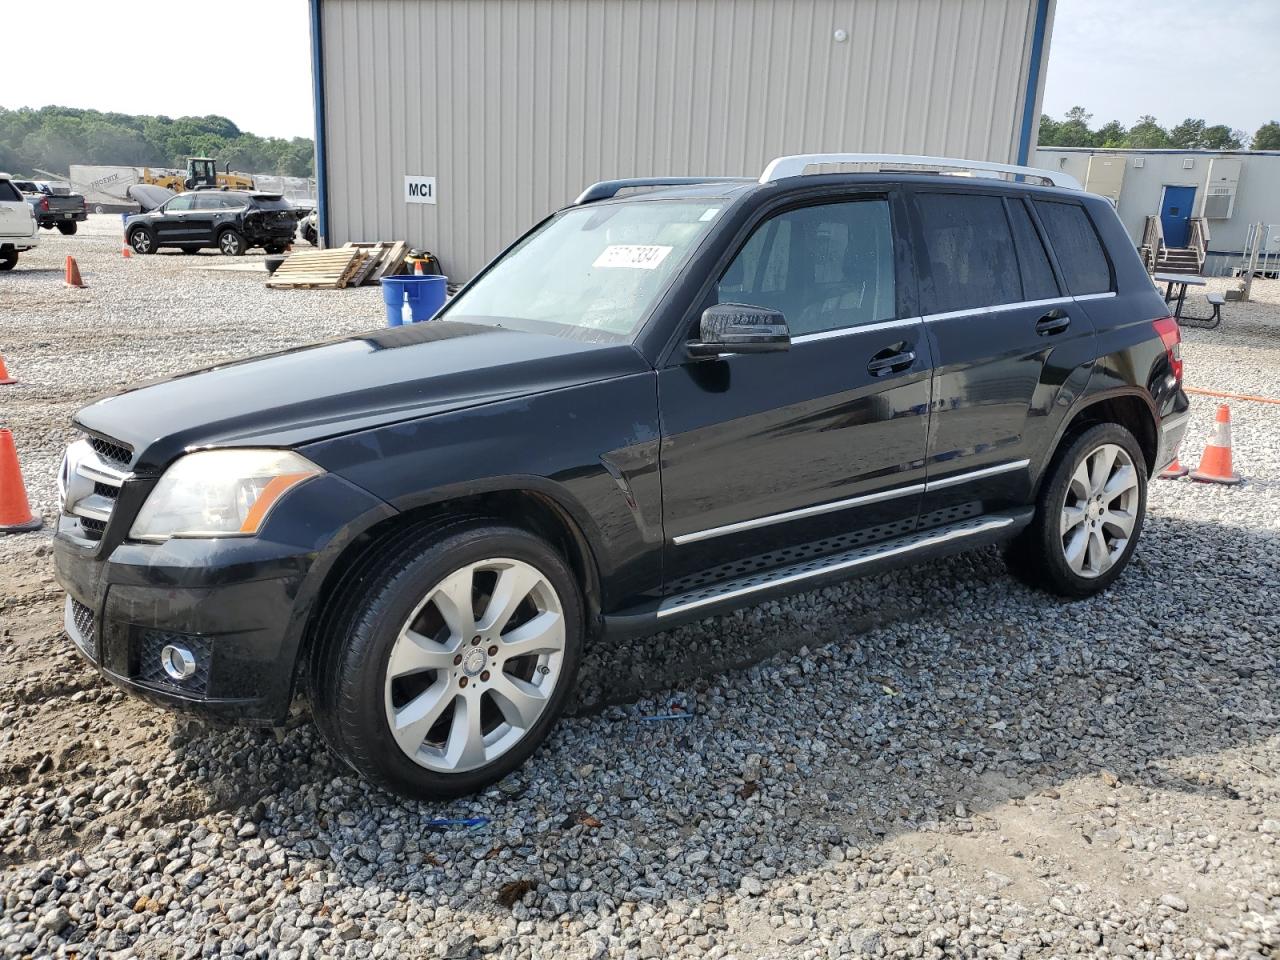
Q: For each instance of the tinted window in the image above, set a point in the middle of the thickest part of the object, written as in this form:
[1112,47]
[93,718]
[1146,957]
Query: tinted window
[209,201]
[8,192]
[825,267]
[1077,247]
[180,203]
[970,251]
[272,203]
[1038,282]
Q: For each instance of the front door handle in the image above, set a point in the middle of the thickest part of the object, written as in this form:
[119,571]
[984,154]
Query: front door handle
[1055,321]
[892,359]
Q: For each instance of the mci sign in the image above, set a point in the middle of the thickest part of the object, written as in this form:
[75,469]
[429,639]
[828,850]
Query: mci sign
[419,189]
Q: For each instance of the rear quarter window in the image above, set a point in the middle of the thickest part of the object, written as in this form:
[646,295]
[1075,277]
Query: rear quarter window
[1075,242]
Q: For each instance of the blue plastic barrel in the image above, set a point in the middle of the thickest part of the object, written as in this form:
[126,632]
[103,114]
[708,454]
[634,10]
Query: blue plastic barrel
[424,295]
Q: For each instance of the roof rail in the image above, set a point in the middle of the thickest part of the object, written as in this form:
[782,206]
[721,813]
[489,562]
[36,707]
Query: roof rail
[794,166]
[606,189]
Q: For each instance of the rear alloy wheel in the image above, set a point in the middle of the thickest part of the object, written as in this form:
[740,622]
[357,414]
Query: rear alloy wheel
[445,657]
[1089,514]
[231,243]
[142,240]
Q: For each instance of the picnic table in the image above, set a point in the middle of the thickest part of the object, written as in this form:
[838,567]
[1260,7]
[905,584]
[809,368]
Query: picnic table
[1181,281]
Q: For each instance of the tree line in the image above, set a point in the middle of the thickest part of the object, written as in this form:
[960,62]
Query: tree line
[1147,134]
[53,138]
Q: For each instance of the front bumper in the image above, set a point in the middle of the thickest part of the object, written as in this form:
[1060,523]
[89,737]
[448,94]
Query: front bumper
[238,606]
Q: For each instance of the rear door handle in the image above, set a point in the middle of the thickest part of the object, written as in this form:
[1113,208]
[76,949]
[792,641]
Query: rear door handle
[1055,321]
[892,359]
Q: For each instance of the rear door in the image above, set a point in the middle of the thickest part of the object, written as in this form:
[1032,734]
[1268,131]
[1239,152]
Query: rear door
[766,452]
[15,213]
[1012,349]
[210,209]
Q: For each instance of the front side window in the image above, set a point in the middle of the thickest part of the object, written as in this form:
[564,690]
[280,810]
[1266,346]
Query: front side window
[1075,243]
[180,203]
[970,252]
[590,273]
[825,267]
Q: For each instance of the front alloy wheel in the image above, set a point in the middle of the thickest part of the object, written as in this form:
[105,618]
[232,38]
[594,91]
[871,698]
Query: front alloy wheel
[445,654]
[473,668]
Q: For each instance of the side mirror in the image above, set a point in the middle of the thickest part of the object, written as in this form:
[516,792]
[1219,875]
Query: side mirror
[740,328]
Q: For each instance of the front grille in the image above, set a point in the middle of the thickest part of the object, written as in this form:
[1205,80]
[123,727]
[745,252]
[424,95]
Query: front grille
[151,668]
[92,474]
[117,453]
[80,623]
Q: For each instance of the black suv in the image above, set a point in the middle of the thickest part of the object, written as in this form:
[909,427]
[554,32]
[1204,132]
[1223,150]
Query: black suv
[231,221]
[649,409]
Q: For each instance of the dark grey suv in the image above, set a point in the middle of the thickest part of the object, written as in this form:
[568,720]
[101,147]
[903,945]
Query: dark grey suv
[230,221]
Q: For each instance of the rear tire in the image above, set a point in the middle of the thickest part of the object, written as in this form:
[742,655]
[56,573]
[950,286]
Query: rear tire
[430,699]
[8,259]
[231,243]
[1089,514]
[190,248]
[67,229]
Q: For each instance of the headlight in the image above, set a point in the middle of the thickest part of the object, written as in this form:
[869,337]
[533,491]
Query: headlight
[219,493]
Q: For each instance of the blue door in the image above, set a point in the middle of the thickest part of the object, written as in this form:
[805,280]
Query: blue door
[1175,214]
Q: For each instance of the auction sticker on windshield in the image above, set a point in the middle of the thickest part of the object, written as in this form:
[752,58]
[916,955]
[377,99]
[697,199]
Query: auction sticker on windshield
[636,256]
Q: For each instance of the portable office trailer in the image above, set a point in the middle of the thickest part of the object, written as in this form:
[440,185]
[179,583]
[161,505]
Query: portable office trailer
[457,124]
[1231,189]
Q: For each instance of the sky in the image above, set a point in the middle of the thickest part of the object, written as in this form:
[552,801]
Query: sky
[247,61]
[1174,59]
[251,62]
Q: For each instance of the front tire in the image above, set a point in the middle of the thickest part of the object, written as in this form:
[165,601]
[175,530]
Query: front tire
[446,656]
[142,240]
[1089,514]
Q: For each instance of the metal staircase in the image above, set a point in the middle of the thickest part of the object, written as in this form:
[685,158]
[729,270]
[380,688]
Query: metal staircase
[1164,259]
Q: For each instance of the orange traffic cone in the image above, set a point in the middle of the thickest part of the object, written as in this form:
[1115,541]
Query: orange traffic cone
[15,512]
[5,379]
[417,268]
[1215,462]
[73,273]
[1173,471]
[126,252]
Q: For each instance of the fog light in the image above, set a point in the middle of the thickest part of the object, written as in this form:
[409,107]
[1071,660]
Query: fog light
[178,662]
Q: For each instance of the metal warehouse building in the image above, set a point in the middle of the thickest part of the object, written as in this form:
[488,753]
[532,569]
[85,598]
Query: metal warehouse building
[458,124]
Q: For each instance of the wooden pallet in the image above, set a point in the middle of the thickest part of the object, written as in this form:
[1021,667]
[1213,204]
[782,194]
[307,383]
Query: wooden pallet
[385,260]
[318,269]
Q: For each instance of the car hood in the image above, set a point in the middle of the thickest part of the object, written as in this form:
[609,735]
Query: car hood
[341,386]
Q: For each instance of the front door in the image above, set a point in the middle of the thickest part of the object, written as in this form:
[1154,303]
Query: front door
[765,452]
[1009,344]
[173,225]
[1175,214]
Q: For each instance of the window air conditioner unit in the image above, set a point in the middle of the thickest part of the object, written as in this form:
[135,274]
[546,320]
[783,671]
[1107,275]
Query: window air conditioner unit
[1139,162]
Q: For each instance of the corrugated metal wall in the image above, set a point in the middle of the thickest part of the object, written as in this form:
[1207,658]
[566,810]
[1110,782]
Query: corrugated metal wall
[515,105]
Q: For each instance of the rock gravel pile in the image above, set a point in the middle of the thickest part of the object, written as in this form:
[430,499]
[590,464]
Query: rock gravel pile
[935,762]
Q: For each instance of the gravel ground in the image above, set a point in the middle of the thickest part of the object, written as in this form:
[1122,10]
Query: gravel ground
[935,762]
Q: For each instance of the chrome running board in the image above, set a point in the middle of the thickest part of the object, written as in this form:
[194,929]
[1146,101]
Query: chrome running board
[847,560]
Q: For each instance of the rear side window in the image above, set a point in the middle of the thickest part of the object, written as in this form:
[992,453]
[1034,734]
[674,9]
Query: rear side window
[9,193]
[1076,244]
[970,250]
[1038,282]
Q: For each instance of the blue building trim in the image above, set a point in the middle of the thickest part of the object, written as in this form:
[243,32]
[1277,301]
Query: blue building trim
[1029,118]
[317,97]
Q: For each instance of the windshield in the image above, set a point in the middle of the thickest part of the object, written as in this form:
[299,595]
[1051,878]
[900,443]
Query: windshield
[591,273]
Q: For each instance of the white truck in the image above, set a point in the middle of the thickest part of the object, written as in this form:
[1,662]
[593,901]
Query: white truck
[18,230]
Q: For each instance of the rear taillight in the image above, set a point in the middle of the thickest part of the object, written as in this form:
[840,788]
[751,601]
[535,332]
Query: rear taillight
[1171,337]
[44,204]
[85,203]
